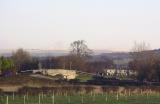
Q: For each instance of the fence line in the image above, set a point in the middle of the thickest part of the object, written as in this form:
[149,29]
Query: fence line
[42,98]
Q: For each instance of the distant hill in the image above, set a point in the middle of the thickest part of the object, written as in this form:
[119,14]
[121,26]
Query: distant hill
[98,54]
[36,53]
[6,53]
[46,53]
[119,58]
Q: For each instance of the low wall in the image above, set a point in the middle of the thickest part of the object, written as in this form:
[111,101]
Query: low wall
[68,74]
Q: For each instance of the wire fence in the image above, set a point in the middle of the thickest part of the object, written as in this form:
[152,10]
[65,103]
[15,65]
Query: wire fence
[91,98]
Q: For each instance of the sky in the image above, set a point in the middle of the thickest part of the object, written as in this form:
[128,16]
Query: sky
[104,24]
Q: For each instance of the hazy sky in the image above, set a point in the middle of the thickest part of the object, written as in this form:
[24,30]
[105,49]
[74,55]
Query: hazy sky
[54,24]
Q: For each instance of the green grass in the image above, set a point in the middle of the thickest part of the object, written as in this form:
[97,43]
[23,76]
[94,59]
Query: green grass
[85,99]
[84,77]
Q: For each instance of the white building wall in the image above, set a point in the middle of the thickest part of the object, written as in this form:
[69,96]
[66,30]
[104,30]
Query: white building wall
[123,72]
[69,74]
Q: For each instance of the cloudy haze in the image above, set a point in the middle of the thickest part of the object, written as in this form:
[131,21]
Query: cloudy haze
[54,24]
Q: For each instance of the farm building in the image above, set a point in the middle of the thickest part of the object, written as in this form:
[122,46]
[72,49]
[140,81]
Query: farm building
[68,74]
[119,72]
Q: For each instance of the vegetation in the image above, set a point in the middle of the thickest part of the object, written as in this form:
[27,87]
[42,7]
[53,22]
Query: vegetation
[81,99]
[20,58]
[79,54]
[6,65]
[146,63]
[84,77]
[26,80]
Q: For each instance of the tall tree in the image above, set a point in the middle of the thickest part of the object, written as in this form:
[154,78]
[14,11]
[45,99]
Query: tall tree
[79,48]
[78,55]
[21,57]
[144,62]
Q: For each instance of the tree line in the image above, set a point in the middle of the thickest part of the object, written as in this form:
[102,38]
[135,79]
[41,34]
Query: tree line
[77,59]
[144,61]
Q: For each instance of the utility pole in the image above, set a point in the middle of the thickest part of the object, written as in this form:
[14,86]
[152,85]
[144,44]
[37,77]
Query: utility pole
[70,66]
[64,64]
[39,66]
[117,62]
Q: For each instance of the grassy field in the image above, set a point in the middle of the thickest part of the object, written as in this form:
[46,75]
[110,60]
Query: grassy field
[84,77]
[81,99]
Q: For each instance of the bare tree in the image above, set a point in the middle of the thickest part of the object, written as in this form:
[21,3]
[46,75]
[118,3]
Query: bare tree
[144,61]
[79,48]
[21,57]
[139,50]
[139,47]
[78,55]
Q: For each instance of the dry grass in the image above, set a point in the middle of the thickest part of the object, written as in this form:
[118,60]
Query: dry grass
[15,82]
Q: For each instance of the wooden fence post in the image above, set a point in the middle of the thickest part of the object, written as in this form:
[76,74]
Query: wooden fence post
[7,100]
[27,96]
[39,102]
[91,93]
[82,101]
[129,92]
[117,96]
[93,96]
[147,94]
[69,100]
[13,96]
[42,95]
[24,99]
[53,98]
[106,98]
